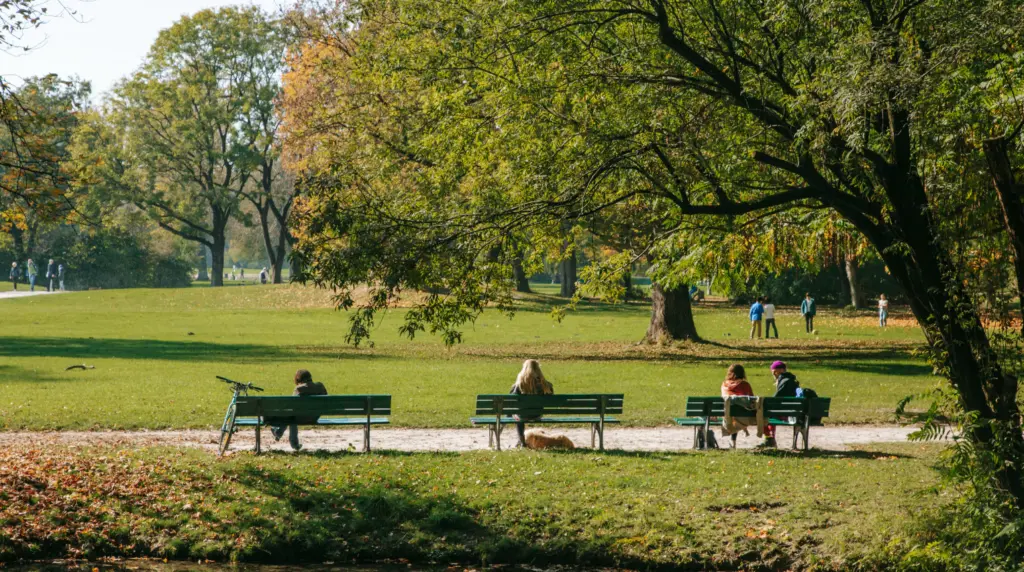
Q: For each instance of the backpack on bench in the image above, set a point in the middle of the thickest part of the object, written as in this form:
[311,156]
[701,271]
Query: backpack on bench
[808,393]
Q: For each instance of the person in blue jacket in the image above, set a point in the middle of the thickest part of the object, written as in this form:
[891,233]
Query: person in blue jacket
[756,313]
[808,309]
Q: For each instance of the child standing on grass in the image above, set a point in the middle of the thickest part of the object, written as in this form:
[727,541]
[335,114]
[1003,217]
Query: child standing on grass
[808,309]
[769,319]
[304,385]
[756,312]
[883,311]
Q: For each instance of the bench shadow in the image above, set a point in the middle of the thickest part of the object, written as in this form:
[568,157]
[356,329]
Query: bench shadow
[813,453]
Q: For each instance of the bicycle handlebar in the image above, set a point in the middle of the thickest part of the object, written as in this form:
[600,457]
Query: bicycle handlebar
[248,386]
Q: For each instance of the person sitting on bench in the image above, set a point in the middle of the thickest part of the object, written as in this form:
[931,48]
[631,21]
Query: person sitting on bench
[530,381]
[785,386]
[736,382]
[304,385]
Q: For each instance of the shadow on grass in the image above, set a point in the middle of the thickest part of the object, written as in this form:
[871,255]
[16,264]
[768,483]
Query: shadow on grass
[371,516]
[81,348]
[670,455]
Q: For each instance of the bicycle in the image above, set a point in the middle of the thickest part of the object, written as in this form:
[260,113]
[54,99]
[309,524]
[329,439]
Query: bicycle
[228,428]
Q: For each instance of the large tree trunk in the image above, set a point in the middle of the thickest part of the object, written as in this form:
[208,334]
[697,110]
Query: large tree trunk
[844,284]
[18,236]
[851,267]
[204,273]
[997,155]
[220,225]
[951,322]
[569,276]
[671,315]
[280,254]
[522,280]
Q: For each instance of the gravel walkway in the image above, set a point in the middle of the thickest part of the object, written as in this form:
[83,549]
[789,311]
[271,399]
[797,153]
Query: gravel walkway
[836,438]
[23,292]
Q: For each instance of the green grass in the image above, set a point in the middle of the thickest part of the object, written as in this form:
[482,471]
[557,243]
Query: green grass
[722,510]
[156,353]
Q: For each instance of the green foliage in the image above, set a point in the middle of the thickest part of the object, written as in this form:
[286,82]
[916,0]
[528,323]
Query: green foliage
[186,136]
[118,259]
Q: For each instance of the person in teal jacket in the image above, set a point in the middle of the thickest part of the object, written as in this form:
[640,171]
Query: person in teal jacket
[808,309]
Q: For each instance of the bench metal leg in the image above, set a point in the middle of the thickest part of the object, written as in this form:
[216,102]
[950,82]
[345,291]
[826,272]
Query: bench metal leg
[593,435]
[257,437]
[366,438]
[600,436]
[497,436]
[796,435]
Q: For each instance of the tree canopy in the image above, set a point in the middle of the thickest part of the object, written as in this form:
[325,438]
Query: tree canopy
[450,128]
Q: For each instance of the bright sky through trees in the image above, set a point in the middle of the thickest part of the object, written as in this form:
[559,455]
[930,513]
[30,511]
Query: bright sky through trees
[104,40]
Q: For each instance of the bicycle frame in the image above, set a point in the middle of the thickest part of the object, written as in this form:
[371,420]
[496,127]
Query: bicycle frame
[227,428]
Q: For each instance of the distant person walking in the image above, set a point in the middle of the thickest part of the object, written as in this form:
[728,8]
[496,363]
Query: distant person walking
[808,309]
[33,271]
[883,311]
[51,275]
[756,313]
[263,275]
[769,319]
[15,274]
[60,275]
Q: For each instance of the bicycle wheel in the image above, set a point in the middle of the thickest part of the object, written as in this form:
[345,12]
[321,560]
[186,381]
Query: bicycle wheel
[227,429]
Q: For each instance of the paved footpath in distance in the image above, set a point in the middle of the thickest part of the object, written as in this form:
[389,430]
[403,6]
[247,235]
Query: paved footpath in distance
[23,292]
[834,438]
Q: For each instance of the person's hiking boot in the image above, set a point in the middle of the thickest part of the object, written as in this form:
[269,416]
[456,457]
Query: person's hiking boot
[296,448]
[768,443]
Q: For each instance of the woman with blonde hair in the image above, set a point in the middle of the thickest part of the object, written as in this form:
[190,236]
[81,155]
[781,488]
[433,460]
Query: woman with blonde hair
[530,381]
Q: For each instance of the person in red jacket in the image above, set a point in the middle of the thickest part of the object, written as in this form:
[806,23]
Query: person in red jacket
[736,382]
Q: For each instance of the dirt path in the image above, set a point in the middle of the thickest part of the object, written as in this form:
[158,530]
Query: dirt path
[630,439]
[24,292]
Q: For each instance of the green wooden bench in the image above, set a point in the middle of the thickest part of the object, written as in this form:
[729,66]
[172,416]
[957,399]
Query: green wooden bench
[795,412]
[334,410]
[496,411]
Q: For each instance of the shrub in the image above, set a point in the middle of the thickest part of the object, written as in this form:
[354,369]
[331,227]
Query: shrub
[114,258]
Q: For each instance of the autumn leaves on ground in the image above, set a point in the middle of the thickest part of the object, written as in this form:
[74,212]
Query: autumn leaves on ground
[156,354]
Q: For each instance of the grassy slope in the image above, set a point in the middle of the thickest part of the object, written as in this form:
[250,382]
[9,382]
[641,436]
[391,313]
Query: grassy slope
[719,509]
[151,373]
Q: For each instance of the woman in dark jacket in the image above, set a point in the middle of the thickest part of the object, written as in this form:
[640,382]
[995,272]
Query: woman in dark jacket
[15,274]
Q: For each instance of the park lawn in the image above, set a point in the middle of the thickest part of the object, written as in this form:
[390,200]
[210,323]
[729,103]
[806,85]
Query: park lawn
[864,508]
[156,353]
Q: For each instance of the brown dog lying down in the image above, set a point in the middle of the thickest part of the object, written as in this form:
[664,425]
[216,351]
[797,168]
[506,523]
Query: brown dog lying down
[537,439]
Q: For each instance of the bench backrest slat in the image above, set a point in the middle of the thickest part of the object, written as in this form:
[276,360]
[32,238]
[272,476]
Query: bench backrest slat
[535,405]
[313,405]
[773,407]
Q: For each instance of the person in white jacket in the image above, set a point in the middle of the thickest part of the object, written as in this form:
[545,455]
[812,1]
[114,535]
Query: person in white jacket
[769,319]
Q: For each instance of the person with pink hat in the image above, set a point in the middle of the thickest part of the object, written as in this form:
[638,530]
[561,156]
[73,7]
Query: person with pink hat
[785,386]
